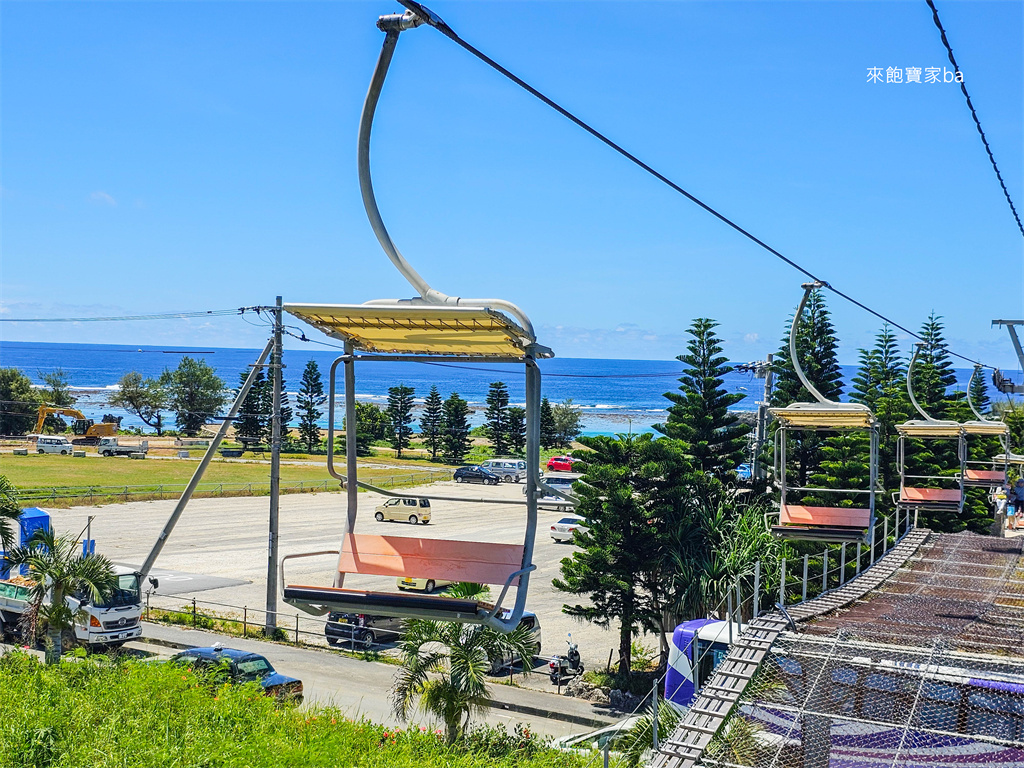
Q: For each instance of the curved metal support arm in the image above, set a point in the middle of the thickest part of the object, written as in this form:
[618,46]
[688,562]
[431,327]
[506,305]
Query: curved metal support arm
[282,583]
[970,401]
[393,25]
[910,379]
[794,358]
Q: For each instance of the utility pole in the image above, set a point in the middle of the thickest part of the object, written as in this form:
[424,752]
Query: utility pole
[276,365]
[762,370]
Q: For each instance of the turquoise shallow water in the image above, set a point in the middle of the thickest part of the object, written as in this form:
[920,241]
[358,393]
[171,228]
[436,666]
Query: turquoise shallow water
[615,395]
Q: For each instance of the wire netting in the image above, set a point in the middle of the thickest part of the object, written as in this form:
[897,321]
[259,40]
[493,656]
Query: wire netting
[963,589]
[926,671]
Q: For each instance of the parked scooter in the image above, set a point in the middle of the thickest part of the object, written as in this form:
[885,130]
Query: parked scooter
[567,666]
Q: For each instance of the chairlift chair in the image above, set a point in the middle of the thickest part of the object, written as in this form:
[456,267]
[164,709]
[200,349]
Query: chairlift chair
[811,522]
[993,472]
[934,496]
[428,328]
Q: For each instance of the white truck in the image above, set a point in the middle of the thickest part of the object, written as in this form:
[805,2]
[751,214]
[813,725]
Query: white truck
[109,446]
[108,623]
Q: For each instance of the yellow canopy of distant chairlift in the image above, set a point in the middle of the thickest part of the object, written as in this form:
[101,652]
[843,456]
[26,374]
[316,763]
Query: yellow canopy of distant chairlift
[838,416]
[420,329]
[985,428]
[928,428]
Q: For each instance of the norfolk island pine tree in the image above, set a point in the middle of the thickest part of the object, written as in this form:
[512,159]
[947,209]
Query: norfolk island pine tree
[400,417]
[517,431]
[699,418]
[497,417]
[311,397]
[455,429]
[432,422]
[249,424]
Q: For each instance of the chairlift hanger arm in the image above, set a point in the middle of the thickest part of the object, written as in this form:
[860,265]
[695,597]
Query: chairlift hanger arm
[793,356]
[910,384]
[392,25]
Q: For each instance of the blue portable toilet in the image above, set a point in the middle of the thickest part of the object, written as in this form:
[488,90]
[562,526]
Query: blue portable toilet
[696,649]
[31,520]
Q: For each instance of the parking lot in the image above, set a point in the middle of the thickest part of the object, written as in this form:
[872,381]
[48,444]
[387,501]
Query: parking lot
[221,542]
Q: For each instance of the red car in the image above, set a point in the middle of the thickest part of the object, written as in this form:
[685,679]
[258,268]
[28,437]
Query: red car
[560,463]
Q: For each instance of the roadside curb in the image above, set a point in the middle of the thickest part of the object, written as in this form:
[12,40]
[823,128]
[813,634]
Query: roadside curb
[163,643]
[550,714]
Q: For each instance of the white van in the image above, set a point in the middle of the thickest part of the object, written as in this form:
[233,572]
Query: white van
[509,470]
[53,444]
[402,509]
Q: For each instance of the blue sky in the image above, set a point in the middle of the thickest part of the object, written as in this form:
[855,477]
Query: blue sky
[167,156]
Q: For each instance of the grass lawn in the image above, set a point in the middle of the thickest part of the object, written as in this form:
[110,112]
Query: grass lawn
[98,713]
[49,470]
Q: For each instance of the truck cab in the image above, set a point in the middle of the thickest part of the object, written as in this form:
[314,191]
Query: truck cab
[113,620]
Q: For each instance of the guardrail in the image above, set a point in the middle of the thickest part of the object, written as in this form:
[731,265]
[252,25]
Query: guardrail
[171,490]
[250,622]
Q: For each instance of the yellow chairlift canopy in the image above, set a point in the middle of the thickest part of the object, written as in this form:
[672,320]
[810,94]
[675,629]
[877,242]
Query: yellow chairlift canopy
[825,416]
[936,428]
[1009,458]
[420,329]
[985,428]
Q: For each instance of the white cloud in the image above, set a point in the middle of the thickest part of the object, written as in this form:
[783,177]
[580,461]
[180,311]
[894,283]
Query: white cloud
[102,198]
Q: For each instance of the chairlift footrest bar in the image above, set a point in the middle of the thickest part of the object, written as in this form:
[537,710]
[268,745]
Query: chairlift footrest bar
[386,603]
[820,533]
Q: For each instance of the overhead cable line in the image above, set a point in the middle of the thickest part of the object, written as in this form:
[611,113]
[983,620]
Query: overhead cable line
[164,316]
[437,23]
[974,114]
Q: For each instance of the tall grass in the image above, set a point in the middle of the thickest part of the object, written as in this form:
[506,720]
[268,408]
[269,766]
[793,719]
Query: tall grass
[105,714]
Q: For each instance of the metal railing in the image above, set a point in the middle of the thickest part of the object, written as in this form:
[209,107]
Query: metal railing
[250,621]
[808,577]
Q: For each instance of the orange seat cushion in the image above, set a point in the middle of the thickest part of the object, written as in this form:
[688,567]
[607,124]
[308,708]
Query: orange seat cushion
[850,517]
[995,476]
[944,495]
[474,561]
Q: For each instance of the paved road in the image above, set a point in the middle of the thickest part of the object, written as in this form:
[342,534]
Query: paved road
[362,688]
[227,538]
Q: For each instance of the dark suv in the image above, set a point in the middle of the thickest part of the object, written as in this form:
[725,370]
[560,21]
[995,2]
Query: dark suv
[359,629]
[475,474]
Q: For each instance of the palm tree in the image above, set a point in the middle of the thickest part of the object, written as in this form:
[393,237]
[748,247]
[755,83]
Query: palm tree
[445,665]
[58,571]
[10,511]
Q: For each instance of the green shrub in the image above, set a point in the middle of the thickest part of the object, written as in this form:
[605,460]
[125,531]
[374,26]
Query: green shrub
[104,713]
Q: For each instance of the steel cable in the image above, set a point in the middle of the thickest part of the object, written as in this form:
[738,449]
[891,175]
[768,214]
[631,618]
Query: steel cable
[437,23]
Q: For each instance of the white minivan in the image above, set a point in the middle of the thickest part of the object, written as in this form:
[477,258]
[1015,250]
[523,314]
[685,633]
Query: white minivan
[509,470]
[51,444]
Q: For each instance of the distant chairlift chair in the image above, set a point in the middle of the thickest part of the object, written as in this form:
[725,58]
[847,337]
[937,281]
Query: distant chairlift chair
[942,492]
[985,474]
[819,523]
[429,328]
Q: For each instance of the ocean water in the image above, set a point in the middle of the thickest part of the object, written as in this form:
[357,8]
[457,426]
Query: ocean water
[614,395]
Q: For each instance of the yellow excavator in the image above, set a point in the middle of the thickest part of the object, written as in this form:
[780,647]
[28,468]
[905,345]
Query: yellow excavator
[88,430]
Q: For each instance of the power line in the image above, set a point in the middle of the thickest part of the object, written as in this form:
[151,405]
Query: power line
[164,316]
[974,114]
[437,23]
